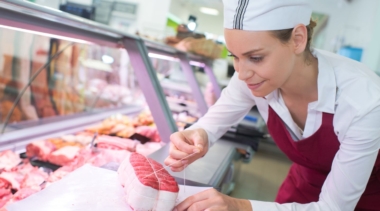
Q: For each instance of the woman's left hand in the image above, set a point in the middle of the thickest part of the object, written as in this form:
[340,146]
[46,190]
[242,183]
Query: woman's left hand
[212,200]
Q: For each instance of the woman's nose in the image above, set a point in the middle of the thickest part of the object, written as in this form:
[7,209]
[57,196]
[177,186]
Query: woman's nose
[245,72]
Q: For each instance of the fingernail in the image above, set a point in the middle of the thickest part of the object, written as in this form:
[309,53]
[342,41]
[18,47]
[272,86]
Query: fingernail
[199,145]
[196,151]
[184,161]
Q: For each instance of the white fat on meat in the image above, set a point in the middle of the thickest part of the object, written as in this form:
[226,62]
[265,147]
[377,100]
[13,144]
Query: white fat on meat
[64,155]
[9,160]
[145,188]
[40,149]
[109,142]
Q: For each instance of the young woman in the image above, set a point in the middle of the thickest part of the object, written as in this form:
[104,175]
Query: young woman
[322,110]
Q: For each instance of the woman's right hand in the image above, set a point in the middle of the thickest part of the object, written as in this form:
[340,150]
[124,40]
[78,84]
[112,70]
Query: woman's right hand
[183,144]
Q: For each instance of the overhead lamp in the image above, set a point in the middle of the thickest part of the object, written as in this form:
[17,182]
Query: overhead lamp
[107,59]
[160,56]
[46,34]
[209,11]
[192,25]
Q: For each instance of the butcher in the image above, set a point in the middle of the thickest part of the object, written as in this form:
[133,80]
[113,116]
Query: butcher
[322,110]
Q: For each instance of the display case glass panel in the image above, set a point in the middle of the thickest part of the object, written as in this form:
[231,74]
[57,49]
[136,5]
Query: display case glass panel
[66,79]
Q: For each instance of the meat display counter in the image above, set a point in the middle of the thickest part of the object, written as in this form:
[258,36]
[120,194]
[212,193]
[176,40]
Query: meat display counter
[68,85]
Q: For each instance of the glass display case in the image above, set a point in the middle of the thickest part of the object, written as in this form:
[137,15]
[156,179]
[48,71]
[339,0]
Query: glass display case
[62,73]
[67,83]
[185,92]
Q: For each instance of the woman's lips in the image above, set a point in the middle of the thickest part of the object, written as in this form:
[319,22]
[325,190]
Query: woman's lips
[255,86]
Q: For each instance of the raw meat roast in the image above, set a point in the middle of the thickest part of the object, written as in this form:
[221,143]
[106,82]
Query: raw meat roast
[145,188]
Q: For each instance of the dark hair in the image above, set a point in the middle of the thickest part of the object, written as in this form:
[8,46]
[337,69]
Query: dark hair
[284,37]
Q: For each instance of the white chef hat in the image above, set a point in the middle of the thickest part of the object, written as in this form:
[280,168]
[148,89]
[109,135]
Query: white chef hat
[265,15]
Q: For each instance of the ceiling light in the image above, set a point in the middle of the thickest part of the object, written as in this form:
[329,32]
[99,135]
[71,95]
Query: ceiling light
[46,34]
[192,26]
[107,59]
[159,56]
[209,11]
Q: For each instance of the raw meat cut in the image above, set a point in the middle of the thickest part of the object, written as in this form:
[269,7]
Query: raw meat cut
[64,155]
[127,132]
[4,201]
[109,142]
[8,160]
[34,179]
[145,188]
[5,188]
[148,148]
[14,178]
[24,193]
[150,132]
[40,149]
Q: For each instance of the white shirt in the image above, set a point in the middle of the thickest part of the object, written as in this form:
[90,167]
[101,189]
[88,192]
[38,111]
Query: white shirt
[347,89]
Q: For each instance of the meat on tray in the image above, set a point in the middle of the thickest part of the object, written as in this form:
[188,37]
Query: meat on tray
[24,193]
[40,149]
[150,132]
[64,156]
[145,187]
[5,188]
[9,160]
[109,142]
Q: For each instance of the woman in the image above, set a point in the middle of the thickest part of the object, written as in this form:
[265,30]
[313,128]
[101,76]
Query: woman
[322,110]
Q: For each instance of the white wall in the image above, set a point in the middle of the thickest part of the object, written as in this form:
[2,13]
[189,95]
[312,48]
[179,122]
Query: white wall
[151,19]
[206,23]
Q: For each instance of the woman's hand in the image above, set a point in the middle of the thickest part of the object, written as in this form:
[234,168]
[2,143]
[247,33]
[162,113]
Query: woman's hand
[183,144]
[212,200]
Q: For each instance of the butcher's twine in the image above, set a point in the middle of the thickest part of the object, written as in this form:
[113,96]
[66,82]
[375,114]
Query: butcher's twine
[170,165]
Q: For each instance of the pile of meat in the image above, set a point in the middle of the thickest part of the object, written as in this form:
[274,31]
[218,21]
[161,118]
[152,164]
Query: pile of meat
[147,186]
[19,179]
[125,127]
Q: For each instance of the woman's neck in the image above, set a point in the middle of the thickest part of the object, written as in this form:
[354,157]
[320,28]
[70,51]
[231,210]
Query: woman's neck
[302,84]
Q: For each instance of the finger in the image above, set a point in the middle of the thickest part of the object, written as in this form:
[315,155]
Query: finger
[193,199]
[173,162]
[178,169]
[179,141]
[177,154]
[201,205]
[199,142]
[215,209]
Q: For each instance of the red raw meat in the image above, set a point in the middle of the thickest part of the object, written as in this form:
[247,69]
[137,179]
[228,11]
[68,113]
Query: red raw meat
[24,193]
[5,188]
[150,132]
[109,142]
[40,149]
[64,156]
[4,201]
[34,179]
[8,160]
[60,173]
[14,178]
[145,187]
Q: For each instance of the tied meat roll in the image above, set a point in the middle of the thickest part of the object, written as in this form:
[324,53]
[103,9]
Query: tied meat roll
[146,188]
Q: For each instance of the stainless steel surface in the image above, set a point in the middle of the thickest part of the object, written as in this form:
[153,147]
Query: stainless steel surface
[195,87]
[151,88]
[207,171]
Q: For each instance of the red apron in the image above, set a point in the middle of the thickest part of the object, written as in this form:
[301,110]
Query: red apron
[312,159]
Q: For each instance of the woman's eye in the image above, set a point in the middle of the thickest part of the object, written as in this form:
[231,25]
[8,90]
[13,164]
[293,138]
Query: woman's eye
[231,55]
[256,59]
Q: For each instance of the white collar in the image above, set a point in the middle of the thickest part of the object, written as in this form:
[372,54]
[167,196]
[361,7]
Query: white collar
[326,87]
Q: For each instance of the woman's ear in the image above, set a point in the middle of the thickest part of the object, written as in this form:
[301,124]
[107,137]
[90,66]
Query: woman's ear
[299,38]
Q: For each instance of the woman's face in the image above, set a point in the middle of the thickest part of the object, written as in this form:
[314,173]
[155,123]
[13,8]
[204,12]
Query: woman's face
[261,60]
